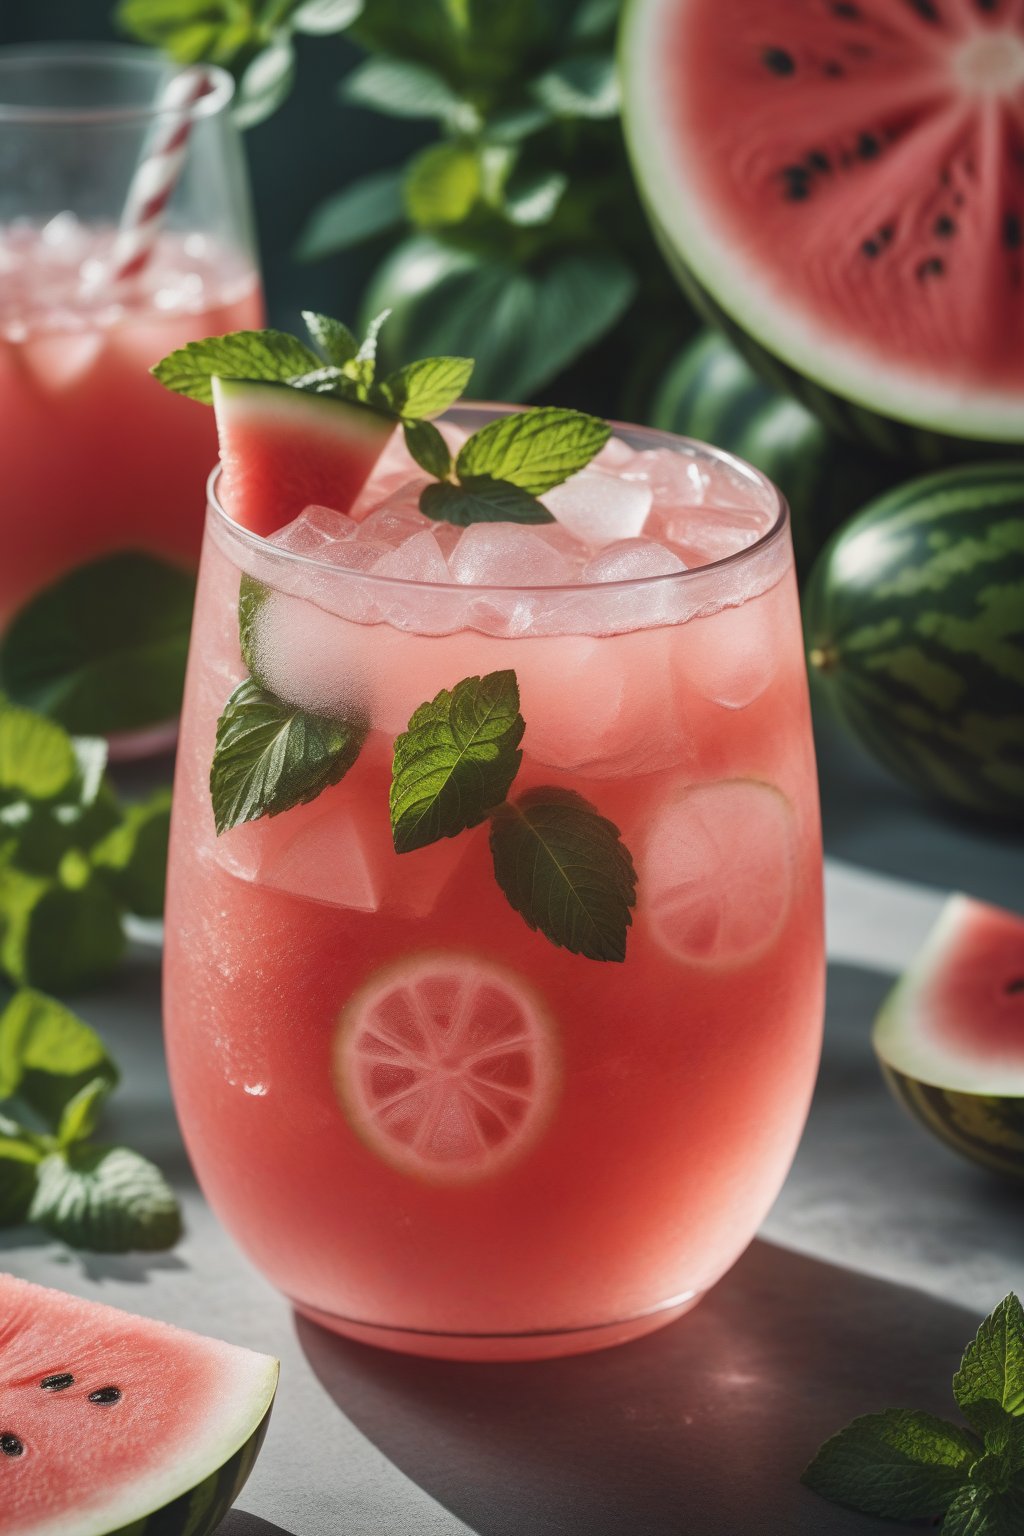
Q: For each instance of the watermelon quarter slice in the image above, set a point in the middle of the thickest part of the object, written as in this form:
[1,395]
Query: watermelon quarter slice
[841,184]
[114,1425]
[950,1036]
[283,449]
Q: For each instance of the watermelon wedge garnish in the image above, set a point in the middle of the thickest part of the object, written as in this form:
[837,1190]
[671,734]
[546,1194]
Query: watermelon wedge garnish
[114,1425]
[842,185]
[284,449]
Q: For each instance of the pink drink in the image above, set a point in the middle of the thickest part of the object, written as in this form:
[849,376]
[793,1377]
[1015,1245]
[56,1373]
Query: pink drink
[430,1127]
[97,456]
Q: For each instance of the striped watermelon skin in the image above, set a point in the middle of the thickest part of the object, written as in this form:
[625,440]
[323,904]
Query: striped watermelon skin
[711,392]
[984,1129]
[914,617]
[200,1511]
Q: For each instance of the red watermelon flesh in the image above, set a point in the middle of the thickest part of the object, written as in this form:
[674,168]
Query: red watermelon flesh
[150,1413]
[846,178]
[285,449]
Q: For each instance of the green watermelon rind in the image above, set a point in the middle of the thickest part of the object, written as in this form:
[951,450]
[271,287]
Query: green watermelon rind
[931,680]
[859,396]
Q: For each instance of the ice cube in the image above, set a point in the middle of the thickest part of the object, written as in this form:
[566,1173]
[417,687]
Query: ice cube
[510,555]
[632,560]
[674,478]
[614,455]
[600,508]
[59,362]
[65,239]
[396,520]
[713,533]
[314,531]
[304,653]
[729,657]
[418,558]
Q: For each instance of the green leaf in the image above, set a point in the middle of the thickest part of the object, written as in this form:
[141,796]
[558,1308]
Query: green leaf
[37,758]
[456,761]
[401,88]
[427,387]
[441,185]
[899,1464]
[252,594]
[56,934]
[270,757]
[366,208]
[534,449]
[481,500]
[511,125]
[265,82]
[319,17]
[585,85]
[533,200]
[106,1199]
[81,1112]
[334,339]
[595,19]
[566,871]
[980,1511]
[132,858]
[48,1055]
[992,1369]
[19,1159]
[428,448]
[364,365]
[103,649]
[273,356]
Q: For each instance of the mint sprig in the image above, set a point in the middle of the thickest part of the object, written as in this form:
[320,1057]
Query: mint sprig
[905,1465]
[55,1076]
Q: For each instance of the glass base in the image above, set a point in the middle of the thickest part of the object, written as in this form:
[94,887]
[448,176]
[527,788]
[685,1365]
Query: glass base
[540,1345]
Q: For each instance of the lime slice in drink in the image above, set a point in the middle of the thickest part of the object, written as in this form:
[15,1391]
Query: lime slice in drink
[718,871]
[446,1066]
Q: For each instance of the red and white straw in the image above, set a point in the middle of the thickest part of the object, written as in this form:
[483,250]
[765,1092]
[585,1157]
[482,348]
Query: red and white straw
[152,186]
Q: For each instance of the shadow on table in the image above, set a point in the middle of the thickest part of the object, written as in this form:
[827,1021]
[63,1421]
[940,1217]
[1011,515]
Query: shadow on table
[704,1426]
[127,1268]
[238,1522]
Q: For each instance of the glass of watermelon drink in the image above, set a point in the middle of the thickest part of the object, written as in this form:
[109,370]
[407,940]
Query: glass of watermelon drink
[77,340]
[526,1089]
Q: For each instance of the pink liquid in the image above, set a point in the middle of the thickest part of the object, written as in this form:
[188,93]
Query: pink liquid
[97,456]
[646,1112]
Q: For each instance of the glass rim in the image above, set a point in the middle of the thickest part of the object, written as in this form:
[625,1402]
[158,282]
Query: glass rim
[115,56]
[728,563]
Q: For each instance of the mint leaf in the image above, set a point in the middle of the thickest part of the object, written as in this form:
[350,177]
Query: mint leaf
[37,758]
[319,17]
[899,1464]
[442,184]
[979,1510]
[456,761]
[252,594]
[265,82]
[334,339]
[534,449]
[481,500]
[61,932]
[48,1055]
[270,756]
[271,355]
[427,387]
[992,1369]
[132,858]
[584,85]
[19,1157]
[365,208]
[104,648]
[107,1199]
[364,364]
[566,871]
[428,448]
[78,1120]
[402,88]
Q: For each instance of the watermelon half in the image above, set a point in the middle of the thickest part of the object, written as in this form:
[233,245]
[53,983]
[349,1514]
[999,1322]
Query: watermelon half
[950,1036]
[841,184]
[114,1425]
[283,449]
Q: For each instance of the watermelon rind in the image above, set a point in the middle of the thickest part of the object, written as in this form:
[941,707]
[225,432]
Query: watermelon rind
[972,1103]
[849,385]
[914,620]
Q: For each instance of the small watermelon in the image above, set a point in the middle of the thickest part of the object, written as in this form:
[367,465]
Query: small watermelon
[841,186]
[114,1425]
[283,449]
[950,1036]
[711,392]
[914,617]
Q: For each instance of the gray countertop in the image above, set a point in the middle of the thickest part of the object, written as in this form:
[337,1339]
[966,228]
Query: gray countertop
[878,1261]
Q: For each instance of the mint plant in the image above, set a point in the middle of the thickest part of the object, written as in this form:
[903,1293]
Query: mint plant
[907,1465]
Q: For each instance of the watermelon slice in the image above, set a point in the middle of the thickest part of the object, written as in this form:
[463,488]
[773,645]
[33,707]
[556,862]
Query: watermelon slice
[283,449]
[950,1037]
[113,1425]
[842,184]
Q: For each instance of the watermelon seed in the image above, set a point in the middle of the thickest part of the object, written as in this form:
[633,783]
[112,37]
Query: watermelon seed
[1015,986]
[868,146]
[932,266]
[833,69]
[10,1445]
[796,179]
[926,9]
[1013,235]
[58,1383]
[846,10]
[870,247]
[105,1395]
[778,61]
[817,160]
[944,226]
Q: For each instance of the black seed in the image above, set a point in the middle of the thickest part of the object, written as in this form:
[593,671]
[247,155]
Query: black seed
[868,146]
[944,178]
[944,226]
[1013,232]
[817,160]
[927,9]
[58,1383]
[886,233]
[846,10]
[778,61]
[833,69]
[986,5]
[796,182]
[958,199]
[105,1395]
[10,1445]
[870,247]
[1015,986]
[932,266]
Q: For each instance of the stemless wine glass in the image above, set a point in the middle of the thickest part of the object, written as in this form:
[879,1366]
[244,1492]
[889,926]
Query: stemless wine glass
[97,458]
[451,1100]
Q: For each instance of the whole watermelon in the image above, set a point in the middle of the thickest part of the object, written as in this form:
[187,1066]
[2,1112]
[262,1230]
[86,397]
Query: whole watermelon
[710,392]
[914,618]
